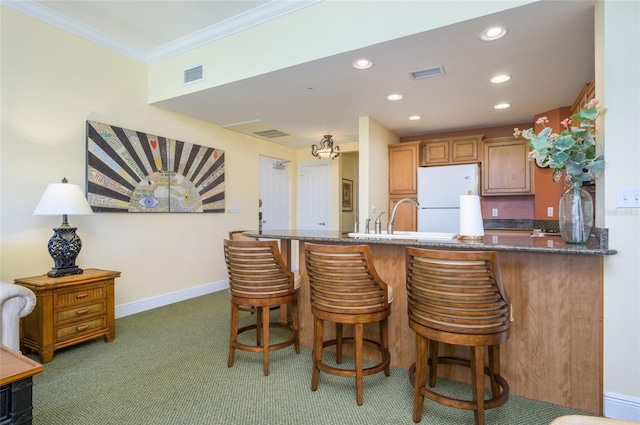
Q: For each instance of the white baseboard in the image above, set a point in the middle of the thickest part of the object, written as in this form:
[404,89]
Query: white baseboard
[620,406]
[170,298]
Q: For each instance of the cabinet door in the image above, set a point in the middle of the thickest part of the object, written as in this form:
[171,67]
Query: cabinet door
[587,93]
[506,167]
[435,153]
[406,217]
[403,169]
[464,150]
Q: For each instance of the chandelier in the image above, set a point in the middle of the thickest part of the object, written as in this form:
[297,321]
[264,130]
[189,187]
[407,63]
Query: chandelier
[326,149]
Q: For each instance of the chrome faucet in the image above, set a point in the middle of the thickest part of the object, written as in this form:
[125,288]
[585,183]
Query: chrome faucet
[393,213]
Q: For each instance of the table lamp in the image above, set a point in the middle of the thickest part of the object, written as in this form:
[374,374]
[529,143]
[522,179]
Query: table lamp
[64,246]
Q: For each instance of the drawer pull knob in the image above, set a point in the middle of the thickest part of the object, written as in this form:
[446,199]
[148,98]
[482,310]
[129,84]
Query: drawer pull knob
[82,327]
[82,311]
[84,295]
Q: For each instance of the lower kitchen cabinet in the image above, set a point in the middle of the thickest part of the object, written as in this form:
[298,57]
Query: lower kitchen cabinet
[406,218]
[506,169]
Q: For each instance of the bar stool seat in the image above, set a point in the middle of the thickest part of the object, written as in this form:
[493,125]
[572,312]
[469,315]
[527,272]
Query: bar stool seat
[259,279]
[457,298]
[346,290]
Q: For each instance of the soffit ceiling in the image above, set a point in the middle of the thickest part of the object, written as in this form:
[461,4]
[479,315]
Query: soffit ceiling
[549,52]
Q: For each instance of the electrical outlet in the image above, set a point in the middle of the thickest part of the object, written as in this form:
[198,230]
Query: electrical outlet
[494,212]
[628,197]
[373,208]
[549,211]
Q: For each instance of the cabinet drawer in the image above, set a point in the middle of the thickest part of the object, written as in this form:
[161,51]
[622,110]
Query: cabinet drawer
[78,296]
[65,332]
[86,310]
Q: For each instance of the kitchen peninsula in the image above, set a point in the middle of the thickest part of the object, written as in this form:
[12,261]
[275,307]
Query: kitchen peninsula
[555,350]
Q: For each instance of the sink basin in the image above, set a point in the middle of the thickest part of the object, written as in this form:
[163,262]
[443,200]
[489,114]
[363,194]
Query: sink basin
[433,236]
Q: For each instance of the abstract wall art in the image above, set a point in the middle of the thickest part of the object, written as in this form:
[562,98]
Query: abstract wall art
[131,171]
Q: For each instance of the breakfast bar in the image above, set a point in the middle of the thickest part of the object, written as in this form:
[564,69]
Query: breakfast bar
[555,351]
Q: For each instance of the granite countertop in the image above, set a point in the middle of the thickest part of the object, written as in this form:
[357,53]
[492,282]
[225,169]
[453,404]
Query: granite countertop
[597,244]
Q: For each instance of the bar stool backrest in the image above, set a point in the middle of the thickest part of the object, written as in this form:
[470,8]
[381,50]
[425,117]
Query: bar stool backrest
[256,269]
[456,291]
[343,280]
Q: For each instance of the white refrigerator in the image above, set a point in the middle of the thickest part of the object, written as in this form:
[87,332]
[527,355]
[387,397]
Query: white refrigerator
[439,190]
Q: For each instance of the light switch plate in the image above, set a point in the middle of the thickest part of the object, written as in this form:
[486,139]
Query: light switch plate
[628,197]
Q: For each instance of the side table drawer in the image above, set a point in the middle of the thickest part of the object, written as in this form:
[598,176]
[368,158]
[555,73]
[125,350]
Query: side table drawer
[65,332]
[76,312]
[78,296]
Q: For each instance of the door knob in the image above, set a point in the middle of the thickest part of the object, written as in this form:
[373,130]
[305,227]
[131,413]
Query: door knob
[322,224]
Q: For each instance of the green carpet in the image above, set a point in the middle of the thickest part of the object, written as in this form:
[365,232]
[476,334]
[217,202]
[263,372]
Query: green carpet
[169,366]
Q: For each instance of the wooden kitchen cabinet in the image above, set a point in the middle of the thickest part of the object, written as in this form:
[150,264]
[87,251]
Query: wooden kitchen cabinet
[456,150]
[506,169]
[69,310]
[587,93]
[406,218]
[403,169]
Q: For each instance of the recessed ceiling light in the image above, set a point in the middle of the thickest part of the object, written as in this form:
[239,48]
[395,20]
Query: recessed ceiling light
[415,117]
[502,106]
[493,33]
[394,96]
[362,64]
[500,78]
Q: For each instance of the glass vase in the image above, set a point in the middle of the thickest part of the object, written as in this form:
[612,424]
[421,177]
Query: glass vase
[575,214]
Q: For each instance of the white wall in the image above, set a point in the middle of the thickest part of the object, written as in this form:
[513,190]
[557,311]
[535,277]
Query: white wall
[618,88]
[374,170]
[317,31]
[52,82]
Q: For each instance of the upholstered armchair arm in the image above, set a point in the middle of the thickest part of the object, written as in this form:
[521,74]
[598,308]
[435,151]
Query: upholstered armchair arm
[15,302]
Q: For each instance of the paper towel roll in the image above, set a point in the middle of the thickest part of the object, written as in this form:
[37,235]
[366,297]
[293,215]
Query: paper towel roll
[470,216]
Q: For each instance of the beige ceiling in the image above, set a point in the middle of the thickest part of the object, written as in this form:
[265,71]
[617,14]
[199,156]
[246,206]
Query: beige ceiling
[549,52]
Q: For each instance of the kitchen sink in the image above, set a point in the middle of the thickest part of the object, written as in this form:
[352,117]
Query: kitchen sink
[432,236]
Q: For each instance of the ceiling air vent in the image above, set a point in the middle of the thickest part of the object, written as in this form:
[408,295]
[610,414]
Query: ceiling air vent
[193,74]
[429,72]
[270,134]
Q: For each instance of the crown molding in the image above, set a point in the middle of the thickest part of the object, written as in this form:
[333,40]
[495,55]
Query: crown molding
[272,10]
[66,23]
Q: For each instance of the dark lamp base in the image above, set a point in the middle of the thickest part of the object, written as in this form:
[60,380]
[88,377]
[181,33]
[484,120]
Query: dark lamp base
[64,271]
[64,246]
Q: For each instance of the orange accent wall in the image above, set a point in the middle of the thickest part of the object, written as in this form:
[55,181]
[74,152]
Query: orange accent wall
[547,192]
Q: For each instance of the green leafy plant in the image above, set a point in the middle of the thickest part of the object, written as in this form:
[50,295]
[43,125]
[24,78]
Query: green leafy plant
[573,150]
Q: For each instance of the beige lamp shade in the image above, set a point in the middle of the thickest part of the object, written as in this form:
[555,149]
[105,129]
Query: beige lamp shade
[63,198]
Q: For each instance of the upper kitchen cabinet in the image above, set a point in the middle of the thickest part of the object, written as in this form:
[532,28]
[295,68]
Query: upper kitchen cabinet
[587,93]
[403,169]
[455,150]
[506,169]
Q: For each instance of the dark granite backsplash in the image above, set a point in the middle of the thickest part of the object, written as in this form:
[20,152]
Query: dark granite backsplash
[509,224]
[547,226]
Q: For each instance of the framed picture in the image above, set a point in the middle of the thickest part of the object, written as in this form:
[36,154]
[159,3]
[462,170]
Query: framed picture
[347,195]
[131,171]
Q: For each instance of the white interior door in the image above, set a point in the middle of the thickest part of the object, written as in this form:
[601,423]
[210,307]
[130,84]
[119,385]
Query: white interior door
[275,176]
[313,196]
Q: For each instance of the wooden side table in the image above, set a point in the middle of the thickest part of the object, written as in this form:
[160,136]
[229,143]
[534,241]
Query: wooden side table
[69,310]
[16,386]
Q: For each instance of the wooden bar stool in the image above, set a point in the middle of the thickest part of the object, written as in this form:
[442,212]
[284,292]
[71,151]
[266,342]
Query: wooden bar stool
[259,279]
[457,297]
[346,290]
